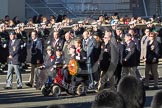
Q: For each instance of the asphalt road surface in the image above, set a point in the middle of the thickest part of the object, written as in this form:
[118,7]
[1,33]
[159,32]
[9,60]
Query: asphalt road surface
[31,98]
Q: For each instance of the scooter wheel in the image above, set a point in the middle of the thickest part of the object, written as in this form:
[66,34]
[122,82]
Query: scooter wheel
[81,90]
[45,92]
[56,90]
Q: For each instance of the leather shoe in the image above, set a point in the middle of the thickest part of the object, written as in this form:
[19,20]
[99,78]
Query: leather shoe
[19,87]
[147,88]
[7,88]
[155,88]
[28,84]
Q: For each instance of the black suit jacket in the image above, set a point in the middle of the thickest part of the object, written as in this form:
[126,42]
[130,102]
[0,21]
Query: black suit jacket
[105,57]
[81,58]
[130,55]
[36,52]
[14,51]
[152,54]
[58,45]
[121,52]
[59,62]
[138,49]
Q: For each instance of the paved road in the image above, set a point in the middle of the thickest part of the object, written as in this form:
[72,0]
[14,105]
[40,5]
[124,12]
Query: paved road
[31,98]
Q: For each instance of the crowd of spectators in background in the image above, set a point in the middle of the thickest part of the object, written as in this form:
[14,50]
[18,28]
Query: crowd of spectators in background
[101,38]
[67,21]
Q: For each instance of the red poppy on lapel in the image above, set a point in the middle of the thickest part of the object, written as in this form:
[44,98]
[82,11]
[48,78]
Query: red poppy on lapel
[78,51]
[52,57]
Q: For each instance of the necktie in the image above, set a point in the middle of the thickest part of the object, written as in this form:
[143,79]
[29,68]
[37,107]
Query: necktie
[12,42]
[34,44]
[54,42]
[144,40]
[85,45]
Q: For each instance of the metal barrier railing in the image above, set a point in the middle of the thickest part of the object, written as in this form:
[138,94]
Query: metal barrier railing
[124,26]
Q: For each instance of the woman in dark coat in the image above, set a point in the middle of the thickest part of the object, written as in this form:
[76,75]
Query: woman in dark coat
[152,57]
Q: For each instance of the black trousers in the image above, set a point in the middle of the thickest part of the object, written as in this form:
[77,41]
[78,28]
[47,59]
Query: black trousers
[117,73]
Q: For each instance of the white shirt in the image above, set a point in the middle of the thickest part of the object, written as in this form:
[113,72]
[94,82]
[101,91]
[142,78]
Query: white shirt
[12,42]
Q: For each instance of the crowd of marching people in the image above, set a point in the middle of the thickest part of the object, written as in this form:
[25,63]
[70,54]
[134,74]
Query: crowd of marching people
[108,53]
